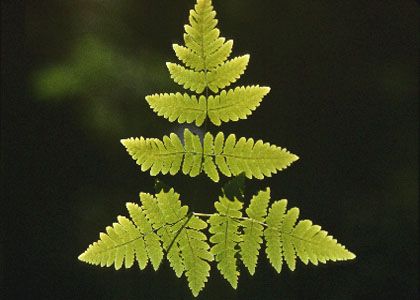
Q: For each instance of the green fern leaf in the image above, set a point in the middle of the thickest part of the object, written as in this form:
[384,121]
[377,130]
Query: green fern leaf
[235,104]
[227,73]
[221,77]
[125,242]
[186,245]
[230,105]
[165,225]
[224,228]
[196,253]
[274,248]
[205,59]
[118,244]
[253,229]
[209,166]
[205,56]
[285,241]
[151,240]
[205,52]
[181,107]
[205,49]
[189,79]
[161,223]
[255,159]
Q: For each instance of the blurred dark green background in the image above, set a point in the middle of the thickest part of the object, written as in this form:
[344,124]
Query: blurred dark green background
[344,98]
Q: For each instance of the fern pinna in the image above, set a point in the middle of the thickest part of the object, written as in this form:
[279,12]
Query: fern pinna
[161,227]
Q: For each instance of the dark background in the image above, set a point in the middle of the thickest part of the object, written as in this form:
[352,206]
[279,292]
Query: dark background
[344,98]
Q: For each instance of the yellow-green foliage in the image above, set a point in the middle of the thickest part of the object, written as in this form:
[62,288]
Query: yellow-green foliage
[227,106]
[224,227]
[161,226]
[231,156]
[207,69]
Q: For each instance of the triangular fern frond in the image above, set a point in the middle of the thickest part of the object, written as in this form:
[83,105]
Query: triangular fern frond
[285,241]
[205,49]
[206,68]
[253,229]
[224,228]
[232,157]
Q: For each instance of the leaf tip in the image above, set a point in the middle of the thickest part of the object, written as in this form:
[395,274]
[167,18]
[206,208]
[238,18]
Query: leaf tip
[81,257]
[124,142]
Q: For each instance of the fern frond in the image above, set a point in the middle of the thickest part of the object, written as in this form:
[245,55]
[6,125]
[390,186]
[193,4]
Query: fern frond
[235,104]
[207,67]
[205,49]
[255,159]
[253,229]
[224,228]
[285,241]
[181,107]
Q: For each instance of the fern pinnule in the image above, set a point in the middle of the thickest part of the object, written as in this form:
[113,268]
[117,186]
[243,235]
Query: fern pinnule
[253,229]
[224,228]
[196,253]
[151,240]
[156,214]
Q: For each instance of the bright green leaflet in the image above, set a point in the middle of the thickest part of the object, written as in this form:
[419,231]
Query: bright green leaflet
[161,227]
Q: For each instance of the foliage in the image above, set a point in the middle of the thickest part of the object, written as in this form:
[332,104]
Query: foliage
[161,227]
[231,157]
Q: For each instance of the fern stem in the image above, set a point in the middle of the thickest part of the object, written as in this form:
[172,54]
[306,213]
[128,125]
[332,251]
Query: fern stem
[202,215]
[237,218]
[179,231]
